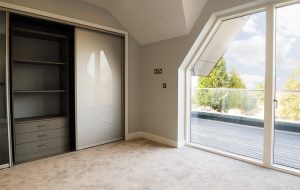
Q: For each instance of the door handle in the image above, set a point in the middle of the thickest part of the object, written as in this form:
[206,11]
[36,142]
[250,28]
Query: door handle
[276,104]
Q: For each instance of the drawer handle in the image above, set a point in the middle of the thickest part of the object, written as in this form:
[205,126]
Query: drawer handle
[40,126]
[42,145]
[42,135]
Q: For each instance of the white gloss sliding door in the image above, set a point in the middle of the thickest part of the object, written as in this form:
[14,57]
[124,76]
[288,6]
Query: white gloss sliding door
[99,89]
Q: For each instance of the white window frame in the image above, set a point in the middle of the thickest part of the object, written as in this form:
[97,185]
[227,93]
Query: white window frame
[269,111]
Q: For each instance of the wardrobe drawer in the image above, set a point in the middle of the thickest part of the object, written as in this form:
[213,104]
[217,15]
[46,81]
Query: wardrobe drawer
[41,135]
[40,125]
[45,145]
[41,154]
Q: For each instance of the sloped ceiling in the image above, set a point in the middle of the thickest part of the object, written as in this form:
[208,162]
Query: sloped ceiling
[150,21]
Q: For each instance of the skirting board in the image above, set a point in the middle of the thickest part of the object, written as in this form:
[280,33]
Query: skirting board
[97,144]
[4,166]
[155,138]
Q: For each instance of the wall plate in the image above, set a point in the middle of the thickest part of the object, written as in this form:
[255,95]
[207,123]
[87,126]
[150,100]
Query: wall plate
[157,71]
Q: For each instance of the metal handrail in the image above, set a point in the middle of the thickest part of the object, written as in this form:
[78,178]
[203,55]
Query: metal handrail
[241,89]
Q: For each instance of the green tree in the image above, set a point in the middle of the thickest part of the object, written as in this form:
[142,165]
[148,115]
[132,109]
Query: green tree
[260,94]
[235,80]
[289,107]
[217,98]
[217,78]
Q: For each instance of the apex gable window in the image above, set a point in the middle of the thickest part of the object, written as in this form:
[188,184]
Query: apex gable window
[245,86]
[228,88]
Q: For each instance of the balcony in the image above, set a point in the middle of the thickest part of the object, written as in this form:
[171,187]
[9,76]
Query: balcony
[232,120]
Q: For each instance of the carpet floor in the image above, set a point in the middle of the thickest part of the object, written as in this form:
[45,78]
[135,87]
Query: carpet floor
[141,164]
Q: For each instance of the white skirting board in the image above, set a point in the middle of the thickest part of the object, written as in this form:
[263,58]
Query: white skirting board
[155,138]
[98,143]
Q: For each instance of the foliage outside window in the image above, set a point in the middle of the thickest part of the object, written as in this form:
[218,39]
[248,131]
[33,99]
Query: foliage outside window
[222,91]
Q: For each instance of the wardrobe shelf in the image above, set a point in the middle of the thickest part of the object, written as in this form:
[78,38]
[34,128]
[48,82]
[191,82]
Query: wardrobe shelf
[40,91]
[38,62]
[25,32]
[39,118]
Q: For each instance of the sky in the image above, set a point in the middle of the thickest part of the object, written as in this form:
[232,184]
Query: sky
[287,42]
[247,51]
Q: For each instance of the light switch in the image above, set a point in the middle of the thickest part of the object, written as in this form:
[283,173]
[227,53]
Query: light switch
[164,85]
[157,71]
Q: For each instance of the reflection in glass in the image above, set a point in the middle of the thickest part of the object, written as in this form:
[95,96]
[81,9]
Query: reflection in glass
[228,88]
[287,113]
[99,88]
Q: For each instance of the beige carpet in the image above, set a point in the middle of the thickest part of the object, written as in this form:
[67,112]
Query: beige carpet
[141,164]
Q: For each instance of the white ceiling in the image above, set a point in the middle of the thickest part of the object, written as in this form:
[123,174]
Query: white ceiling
[150,21]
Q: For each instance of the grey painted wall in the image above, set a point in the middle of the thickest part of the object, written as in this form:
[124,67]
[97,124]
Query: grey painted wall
[152,109]
[83,11]
[160,106]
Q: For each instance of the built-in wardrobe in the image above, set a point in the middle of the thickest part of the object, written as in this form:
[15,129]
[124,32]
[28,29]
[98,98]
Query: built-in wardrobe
[4,97]
[42,87]
[62,88]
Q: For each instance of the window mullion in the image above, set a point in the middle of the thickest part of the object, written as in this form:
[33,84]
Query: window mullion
[269,87]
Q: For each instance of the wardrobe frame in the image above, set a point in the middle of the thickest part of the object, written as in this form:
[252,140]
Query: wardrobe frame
[22,10]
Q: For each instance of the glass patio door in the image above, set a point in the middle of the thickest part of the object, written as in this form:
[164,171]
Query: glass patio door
[287,103]
[4,146]
[227,109]
[245,88]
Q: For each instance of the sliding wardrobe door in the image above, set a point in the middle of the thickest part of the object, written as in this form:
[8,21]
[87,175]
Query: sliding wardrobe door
[99,88]
[4,146]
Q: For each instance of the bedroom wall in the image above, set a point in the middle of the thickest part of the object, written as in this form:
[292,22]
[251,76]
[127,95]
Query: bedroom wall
[86,12]
[160,106]
[152,109]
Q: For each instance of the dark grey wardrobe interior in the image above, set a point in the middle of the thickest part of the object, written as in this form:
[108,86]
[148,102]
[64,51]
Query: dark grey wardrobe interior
[4,147]
[38,64]
[42,87]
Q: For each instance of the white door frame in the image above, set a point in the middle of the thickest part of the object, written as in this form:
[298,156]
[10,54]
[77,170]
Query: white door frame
[198,49]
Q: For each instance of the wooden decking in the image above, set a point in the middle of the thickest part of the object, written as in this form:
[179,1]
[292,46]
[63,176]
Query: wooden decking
[246,140]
